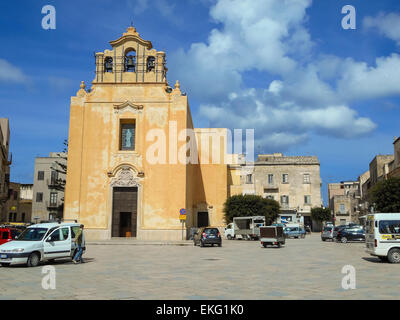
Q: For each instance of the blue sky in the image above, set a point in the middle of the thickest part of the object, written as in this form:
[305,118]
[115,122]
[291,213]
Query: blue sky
[285,68]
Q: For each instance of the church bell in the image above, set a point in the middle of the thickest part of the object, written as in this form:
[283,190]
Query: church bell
[130,63]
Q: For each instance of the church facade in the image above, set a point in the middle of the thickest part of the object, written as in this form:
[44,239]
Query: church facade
[135,159]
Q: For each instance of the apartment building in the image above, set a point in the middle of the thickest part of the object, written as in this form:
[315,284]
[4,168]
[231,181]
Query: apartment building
[344,201]
[293,181]
[48,197]
[18,207]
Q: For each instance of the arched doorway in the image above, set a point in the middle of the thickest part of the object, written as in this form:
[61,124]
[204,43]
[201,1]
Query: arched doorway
[124,218]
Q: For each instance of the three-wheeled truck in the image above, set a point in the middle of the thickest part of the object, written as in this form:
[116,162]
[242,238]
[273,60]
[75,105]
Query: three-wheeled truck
[272,236]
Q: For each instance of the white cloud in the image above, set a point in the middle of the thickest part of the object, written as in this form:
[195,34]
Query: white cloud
[11,73]
[388,24]
[280,118]
[308,93]
[360,81]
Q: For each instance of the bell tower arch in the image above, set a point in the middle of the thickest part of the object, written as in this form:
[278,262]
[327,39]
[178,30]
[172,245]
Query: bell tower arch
[131,60]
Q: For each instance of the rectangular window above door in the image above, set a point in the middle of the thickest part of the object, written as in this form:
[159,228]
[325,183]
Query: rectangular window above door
[127,136]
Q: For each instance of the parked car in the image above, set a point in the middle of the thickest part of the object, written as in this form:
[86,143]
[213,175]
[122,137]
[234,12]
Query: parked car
[327,233]
[294,232]
[339,228]
[41,242]
[8,234]
[350,234]
[207,236]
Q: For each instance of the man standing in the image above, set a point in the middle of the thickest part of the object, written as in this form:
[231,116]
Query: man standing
[79,243]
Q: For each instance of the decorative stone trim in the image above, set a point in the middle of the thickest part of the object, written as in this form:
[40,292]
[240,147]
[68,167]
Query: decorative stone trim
[125,177]
[118,108]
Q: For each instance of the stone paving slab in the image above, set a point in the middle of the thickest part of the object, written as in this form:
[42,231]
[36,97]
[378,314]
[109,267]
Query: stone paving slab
[239,270]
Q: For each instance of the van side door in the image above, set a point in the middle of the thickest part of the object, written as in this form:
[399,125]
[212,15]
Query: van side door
[58,244]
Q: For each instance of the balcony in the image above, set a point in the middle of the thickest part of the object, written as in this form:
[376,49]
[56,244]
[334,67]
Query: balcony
[342,214]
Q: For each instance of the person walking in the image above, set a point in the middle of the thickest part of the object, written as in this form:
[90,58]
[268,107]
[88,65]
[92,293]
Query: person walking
[79,241]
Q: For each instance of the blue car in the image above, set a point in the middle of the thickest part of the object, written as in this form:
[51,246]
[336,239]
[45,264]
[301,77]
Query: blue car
[294,232]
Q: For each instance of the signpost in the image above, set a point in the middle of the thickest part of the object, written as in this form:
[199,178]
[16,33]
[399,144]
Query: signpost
[182,218]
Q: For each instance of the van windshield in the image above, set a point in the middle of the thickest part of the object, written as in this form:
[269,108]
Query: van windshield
[32,234]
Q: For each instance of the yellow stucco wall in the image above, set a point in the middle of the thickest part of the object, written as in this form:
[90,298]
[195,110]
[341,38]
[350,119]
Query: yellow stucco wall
[95,161]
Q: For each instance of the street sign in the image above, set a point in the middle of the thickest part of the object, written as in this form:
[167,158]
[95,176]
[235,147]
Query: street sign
[182,211]
[182,217]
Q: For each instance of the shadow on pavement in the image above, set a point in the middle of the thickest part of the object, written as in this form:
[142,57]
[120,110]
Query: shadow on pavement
[54,263]
[372,259]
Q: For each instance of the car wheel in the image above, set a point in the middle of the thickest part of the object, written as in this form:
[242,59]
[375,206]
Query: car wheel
[265,245]
[323,239]
[394,256]
[33,260]
[229,237]
[5,264]
[343,240]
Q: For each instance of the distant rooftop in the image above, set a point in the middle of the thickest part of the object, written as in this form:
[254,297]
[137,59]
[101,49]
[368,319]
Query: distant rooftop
[54,155]
[279,158]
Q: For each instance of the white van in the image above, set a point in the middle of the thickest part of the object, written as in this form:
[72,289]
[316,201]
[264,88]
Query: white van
[41,242]
[382,236]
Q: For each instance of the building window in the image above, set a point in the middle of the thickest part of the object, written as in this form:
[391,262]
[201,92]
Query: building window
[10,216]
[15,216]
[23,217]
[53,198]
[40,175]
[285,201]
[307,199]
[128,136]
[285,178]
[39,197]
[342,208]
[249,179]
[54,177]
[270,197]
[270,179]
[15,195]
[306,178]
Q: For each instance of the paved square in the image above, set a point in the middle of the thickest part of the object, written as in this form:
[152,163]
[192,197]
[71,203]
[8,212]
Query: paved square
[303,269]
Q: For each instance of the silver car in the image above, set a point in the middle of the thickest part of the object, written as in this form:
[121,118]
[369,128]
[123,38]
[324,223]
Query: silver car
[327,233]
